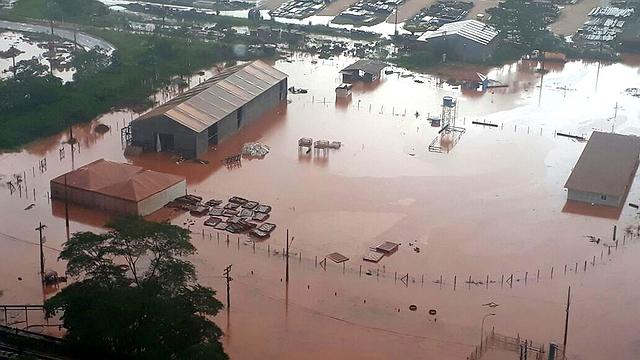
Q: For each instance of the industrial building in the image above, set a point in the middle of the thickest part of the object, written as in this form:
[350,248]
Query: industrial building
[211,111]
[118,188]
[605,170]
[363,70]
[467,40]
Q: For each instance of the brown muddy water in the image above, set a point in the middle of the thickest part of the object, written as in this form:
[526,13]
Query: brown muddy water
[493,206]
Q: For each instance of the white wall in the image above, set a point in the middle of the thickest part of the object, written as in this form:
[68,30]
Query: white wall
[157,201]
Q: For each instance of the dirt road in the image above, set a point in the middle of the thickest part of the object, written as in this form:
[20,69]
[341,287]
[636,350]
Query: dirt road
[573,16]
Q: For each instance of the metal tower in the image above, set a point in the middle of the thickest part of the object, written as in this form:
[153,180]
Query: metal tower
[449,114]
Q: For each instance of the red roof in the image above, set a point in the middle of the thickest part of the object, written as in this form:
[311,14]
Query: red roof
[118,180]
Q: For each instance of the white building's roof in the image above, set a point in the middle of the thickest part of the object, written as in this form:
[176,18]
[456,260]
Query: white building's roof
[473,30]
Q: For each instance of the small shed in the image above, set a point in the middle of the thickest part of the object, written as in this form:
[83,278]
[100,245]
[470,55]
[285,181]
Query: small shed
[363,70]
[117,187]
[605,170]
[343,90]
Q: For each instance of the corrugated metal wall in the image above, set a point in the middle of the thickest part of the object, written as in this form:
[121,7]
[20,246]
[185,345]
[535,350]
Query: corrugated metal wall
[157,201]
[593,198]
[93,200]
[185,140]
[192,144]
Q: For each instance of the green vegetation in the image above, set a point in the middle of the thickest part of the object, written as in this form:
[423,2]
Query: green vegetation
[86,12]
[32,107]
[417,59]
[136,297]
[524,24]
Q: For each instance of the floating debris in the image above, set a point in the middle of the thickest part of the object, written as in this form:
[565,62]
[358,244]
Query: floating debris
[337,257]
[373,256]
[102,128]
[387,247]
[255,149]
[212,221]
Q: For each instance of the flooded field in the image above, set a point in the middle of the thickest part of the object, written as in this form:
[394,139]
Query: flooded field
[493,207]
[34,50]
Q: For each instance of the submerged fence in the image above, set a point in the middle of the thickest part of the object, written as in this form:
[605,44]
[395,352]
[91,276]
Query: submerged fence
[526,348]
[506,280]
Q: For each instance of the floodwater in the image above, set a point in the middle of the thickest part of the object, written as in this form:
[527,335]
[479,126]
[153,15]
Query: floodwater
[384,29]
[30,50]
[491,207]
[85,40]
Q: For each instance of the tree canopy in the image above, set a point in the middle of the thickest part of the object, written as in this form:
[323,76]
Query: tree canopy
[524,22]
[136,296]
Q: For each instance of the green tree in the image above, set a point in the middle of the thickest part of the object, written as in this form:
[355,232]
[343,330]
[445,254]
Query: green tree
[523,22]
[136,296]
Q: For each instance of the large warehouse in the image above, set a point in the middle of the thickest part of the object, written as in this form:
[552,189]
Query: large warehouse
[118,188]
[605,170]
[211,111]
[467,40]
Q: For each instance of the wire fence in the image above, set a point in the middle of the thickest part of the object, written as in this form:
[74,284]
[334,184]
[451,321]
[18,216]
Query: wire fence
[450,281]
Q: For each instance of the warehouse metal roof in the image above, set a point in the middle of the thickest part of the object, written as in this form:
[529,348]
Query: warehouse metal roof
[123,181]
[367,66]
[473,30]
[219,96]
[607,164]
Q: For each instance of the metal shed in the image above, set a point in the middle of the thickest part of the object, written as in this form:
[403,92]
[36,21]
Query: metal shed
[211,111]
[467,40]
[365,70]
[119,188]
[605,170]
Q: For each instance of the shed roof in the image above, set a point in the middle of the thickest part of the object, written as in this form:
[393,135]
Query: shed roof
[473,30]
[368,66]
[219,96]
[123,181]
[606,164]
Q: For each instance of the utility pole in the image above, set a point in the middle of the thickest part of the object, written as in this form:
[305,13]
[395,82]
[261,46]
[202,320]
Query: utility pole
[39,230]
[287,257]
[395,29]
[227,275]
[566,324]
[66,207]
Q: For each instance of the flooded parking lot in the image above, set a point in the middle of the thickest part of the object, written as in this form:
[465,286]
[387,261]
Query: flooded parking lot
[492,207]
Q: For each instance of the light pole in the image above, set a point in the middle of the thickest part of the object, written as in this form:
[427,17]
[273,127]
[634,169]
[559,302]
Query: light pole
[482,330]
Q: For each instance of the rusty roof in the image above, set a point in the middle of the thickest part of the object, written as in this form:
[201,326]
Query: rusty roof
[607,164]
[219,96]
[123,181]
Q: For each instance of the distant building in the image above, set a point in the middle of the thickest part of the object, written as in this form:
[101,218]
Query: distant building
[605,170]
[211,111]
[630,37]
[363,70]
[119,188]
[467,40]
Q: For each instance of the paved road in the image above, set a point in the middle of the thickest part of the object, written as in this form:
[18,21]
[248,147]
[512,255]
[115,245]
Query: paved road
[83,39]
